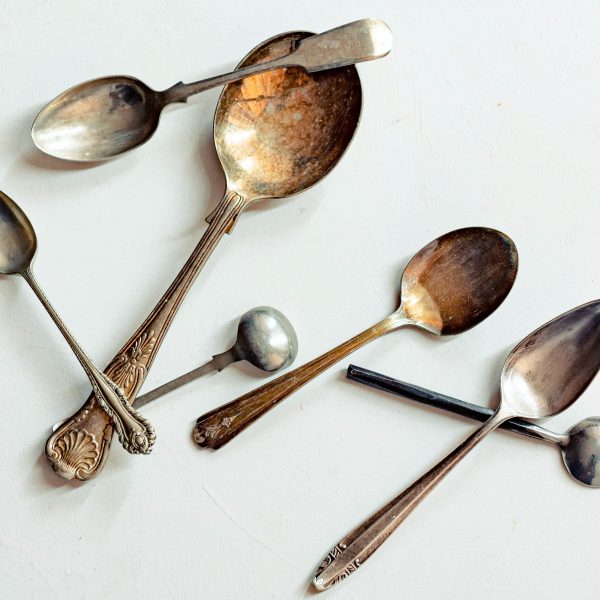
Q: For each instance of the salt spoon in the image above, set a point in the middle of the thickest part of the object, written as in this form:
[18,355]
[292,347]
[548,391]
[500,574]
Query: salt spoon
[580,446]
[449,286]
[105,117]
[265,339]
[542,376]
[18,244]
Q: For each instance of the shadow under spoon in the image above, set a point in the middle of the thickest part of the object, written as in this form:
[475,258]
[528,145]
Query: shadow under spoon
[542,376]
[265,339]
[580,446]
[449,286]
[276,134]
[18,245]
[103,118]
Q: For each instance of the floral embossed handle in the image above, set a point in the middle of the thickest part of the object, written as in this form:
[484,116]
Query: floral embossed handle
[78,447]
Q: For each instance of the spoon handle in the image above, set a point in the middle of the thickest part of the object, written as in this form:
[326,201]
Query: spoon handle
[219,426]
[130,366]
[359,41]
[458,407]
[354,549]
[135,433]
[217,363]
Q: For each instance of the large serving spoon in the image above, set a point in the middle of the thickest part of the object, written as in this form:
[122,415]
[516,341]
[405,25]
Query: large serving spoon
[276,134]
[449,286]
[18,245]
[265,339]
[105,117]
[580,446]
[542,376]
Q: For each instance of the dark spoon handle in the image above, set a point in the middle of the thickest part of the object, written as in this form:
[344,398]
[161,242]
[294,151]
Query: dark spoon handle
[437,400]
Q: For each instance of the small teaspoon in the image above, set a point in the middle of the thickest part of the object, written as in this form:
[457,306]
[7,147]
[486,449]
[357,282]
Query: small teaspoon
[265,339]
[103,118]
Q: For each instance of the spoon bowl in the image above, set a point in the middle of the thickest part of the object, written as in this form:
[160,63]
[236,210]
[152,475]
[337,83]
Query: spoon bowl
[266,339]
[280,132]
[581,454]
[18,241]
[552,366]
[98,119]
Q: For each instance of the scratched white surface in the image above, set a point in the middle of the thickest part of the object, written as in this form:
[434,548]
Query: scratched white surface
[486,113]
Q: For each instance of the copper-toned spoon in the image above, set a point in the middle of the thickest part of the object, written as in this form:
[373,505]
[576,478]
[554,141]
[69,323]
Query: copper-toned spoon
[276,134]
[449,286]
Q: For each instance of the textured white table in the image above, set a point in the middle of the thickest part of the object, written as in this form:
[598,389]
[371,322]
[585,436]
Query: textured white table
[486,113]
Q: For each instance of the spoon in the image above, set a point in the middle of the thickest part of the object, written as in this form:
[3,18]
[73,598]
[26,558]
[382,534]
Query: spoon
[449,286]
[265,339]
[105,117]
[580,446]
[269,146]
[18,244]
[542,376]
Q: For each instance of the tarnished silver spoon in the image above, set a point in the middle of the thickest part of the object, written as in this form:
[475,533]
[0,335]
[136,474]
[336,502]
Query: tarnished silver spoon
[542,376]
[18,244]
[105,117]
[265,339]
[580,446]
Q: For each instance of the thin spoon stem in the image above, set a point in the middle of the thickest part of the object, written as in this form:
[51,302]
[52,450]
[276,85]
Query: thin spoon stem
[180,92]
[217,363]
[134,431]
[447,403]
[221,425]
[353,550]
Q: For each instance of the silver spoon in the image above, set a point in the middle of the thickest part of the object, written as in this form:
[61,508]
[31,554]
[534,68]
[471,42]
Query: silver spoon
[265,339]
[580,446]
[102,118]
[18,245]
[542,376]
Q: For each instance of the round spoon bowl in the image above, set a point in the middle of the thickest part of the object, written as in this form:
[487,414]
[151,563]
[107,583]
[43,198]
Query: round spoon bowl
[266,339]
[97,120]
[582,454]
[17,236]
[280,132]
[459,279]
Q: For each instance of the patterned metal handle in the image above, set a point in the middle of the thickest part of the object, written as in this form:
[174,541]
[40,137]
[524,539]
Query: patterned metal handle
[78,448]
[219,426]
[354,549]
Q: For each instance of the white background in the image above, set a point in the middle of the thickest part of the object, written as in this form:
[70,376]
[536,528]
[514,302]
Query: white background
[485,113]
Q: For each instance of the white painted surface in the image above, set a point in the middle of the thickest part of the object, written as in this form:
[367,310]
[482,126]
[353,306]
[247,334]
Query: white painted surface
[486,113]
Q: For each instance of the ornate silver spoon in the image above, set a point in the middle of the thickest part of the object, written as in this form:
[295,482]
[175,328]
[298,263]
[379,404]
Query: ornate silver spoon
[265,339]
[105,117]
[449,286]
[542,376]
[580,446]
[18,244]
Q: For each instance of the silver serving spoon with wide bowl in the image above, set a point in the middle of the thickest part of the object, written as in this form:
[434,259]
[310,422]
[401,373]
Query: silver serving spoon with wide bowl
[276,134]
[265,339]
[105,117]
[542,376]
[449,286]
[18,244]
[580,446]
